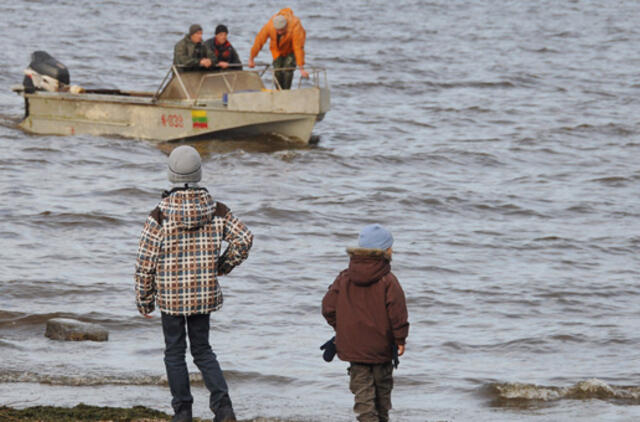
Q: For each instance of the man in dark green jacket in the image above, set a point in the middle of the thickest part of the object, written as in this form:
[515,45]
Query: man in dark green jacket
[190,53]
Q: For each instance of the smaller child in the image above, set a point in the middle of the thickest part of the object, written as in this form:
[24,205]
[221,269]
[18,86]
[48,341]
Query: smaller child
[367,308]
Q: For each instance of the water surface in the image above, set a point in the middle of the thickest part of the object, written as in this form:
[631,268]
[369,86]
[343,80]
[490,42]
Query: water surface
[498,142]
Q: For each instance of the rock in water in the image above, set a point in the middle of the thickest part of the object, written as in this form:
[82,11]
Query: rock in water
[72,330]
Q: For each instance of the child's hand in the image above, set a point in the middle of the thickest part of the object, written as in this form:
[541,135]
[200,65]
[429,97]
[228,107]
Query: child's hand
[400,349]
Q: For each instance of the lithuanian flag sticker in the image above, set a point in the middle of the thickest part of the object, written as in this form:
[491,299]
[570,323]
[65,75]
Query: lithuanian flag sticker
[199,118]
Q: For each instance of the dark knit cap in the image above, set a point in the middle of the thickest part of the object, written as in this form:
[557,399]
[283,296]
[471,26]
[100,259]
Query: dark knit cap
[221,28]
[194,28]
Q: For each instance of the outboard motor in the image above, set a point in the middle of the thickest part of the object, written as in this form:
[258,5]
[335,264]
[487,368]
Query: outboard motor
[45,73]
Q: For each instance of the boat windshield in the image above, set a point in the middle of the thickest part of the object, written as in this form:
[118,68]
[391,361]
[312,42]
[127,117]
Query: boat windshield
[193,85]
[208,85]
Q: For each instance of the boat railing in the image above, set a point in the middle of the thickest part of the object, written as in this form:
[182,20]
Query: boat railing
[231,81]
[173,70]
[317,75]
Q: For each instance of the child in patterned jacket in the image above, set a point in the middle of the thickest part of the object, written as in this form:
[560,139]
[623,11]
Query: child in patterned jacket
[177,266]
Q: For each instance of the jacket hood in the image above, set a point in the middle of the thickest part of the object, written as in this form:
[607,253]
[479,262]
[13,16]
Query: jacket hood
[189,208]
[367,266]
[287,12]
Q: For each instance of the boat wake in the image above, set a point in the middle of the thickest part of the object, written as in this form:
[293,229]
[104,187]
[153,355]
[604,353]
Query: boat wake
[10,121]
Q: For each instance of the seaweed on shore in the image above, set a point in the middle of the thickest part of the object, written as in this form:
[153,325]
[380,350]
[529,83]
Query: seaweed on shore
[82,412]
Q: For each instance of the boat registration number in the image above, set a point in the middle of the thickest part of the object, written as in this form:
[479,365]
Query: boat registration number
[172,120]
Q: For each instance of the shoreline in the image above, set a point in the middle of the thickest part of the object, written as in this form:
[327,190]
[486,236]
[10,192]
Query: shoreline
[83,412]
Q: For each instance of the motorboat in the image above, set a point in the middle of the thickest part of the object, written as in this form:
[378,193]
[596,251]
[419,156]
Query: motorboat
[187,105]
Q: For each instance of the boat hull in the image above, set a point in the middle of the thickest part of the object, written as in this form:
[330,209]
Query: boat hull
[291,114]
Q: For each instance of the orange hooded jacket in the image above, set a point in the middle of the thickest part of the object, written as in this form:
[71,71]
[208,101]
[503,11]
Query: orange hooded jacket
[290,42]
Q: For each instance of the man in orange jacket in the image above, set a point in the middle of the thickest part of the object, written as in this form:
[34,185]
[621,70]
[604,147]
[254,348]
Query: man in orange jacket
[287,38]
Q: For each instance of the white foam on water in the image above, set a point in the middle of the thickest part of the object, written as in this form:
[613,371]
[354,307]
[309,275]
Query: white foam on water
[589,389]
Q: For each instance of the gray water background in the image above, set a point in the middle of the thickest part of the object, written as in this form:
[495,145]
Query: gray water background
[498,141]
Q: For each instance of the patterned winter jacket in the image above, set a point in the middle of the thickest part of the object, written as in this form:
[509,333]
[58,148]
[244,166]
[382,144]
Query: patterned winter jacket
[179,256]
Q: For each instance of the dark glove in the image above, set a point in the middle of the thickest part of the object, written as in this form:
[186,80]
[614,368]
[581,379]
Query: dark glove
[329,349]
[396,359]
[223,268]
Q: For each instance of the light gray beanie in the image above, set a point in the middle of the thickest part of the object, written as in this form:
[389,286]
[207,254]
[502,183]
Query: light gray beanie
[279,22]
[185,165]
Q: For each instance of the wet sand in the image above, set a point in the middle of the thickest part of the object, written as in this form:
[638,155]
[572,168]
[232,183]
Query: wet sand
[83,412]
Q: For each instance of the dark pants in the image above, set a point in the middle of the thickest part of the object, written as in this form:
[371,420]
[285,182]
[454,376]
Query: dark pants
[175,338]
[284,77]
[371,385]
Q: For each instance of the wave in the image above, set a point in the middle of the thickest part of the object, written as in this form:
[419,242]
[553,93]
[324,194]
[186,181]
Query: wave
[15,320]
[8,345]
[508,209]
[134,192]
[70,219]
[526,344]
[612,129]
[542,50]
[419,87]
[612,181]
[84,380]
[404,122]
[28,289]
[12,164]
[525,395]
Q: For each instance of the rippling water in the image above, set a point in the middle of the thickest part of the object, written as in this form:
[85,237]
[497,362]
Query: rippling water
[498,141]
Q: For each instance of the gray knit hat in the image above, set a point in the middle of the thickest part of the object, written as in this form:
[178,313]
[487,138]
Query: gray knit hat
[279,22]
[194,28]
[185,165]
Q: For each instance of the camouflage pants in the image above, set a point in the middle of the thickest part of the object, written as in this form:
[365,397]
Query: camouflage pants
[284,77]
[371,385]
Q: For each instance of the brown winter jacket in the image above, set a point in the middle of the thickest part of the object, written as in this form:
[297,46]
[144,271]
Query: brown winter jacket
[367,308]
